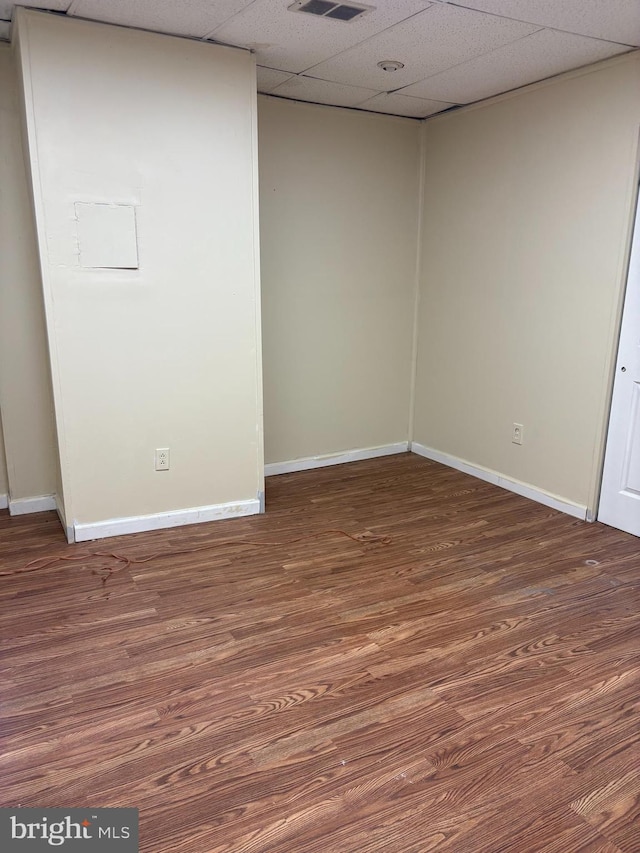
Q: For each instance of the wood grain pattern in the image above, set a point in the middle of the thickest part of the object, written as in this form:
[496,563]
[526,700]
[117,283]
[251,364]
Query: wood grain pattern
[471,687]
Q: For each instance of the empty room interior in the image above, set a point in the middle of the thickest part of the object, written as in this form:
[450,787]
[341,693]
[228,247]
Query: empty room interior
[320,424]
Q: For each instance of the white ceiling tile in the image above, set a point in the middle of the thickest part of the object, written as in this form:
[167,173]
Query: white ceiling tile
[401,105]
[439,38]
[294,41]
[454,51]
[6,6]
[612,20]
[192,18]
[269,78]
[5,30]
[540,55]
[321,92]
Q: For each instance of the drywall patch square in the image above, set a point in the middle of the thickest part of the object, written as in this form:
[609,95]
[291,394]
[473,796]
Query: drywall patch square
[107,236]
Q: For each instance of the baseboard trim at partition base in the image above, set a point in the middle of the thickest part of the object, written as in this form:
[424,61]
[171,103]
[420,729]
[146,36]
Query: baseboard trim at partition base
[4,501]
[309,462]
[522,489]
[24,506]
[161,520]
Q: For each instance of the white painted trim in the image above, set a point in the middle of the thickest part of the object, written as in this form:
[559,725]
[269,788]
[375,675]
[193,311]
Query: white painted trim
[24,506]
[523,489]
[68,528]
[4,501]
[308,462]
[161,520]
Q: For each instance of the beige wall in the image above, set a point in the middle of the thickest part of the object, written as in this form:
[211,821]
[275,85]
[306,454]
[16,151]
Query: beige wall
[526,216]
[25,385]
[167,355]
[338,217]
[526,221]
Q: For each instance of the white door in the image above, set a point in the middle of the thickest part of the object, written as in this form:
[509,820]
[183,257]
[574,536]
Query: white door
[620,496]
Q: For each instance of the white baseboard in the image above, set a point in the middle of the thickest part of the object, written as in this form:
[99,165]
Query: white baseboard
[23,506]
[4,501]
[523,489]
[305,464]
[161,520]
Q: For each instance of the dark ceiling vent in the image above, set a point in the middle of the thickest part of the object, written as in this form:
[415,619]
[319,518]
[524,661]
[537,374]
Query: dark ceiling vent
[327,9]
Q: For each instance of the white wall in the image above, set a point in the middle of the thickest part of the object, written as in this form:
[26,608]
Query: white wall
[25,384]
[338,215]
[167,355]
[527,212]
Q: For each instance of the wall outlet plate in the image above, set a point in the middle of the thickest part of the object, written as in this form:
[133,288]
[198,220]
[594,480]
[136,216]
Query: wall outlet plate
[162,459]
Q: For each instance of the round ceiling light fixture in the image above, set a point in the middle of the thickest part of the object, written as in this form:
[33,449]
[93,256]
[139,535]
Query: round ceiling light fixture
[390,65]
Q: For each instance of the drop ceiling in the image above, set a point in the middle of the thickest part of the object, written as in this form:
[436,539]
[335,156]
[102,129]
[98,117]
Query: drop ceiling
[451,53]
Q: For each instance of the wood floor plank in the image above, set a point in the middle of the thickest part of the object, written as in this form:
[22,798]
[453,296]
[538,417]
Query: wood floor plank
[469,687]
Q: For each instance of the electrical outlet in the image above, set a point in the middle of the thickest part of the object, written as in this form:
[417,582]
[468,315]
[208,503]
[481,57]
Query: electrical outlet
[517,436]
[162,459]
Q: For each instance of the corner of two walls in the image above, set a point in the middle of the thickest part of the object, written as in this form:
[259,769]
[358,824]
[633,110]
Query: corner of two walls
[339,190]
[166,354]
[28,482]
[434,283]
[339,201]
[527,211]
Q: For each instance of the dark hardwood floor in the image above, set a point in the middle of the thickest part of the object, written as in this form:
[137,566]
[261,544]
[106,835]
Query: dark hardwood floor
[471,687]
